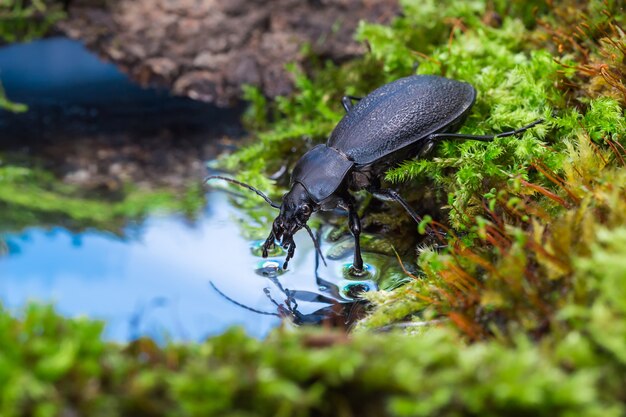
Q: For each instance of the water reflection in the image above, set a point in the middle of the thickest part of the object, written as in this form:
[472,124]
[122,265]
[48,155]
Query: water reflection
[70,89]
[159,282]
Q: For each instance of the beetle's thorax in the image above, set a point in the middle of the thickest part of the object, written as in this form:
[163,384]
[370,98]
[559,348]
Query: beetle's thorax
[322,172]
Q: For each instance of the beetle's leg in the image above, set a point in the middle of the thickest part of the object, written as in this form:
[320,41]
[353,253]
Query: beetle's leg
[347,102]
[269,243]
[388,194]
[290,245]
[427,148]
[483,138]
[324,285]
[355,228]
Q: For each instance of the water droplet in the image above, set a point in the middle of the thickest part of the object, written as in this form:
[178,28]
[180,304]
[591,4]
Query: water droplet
[269,268]
[355,289]
[349,272]
[257,249]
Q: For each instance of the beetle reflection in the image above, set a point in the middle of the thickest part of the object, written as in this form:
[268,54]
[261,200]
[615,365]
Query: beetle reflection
[344,305]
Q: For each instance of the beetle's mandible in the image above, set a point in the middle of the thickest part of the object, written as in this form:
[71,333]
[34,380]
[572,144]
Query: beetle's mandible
[398,121]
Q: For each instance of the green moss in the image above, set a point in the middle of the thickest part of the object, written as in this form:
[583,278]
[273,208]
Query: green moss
[533,273]
[50,366]
[23,20]
[589,39]
[517,208]
[517,266]
[6,104]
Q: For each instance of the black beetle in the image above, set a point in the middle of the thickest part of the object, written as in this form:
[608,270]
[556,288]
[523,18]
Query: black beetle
[400,120]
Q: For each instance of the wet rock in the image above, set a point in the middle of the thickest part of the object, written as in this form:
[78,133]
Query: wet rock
[162,69]
[199,85]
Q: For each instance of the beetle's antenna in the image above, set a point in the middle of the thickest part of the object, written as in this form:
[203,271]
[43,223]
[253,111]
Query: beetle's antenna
[244,185]
[242,305]
[316,243]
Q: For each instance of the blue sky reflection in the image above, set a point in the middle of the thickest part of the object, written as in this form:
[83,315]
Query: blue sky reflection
[163,272]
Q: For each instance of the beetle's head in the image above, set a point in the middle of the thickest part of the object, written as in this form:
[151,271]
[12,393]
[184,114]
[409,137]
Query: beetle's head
[295,211]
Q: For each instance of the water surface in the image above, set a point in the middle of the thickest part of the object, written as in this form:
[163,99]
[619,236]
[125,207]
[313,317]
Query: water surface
[157,282]
[168,277]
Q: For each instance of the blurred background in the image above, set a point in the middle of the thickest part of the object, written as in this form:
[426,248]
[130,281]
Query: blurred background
[110,115]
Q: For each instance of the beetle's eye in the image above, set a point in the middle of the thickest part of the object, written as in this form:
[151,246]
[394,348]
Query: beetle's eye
[305,209]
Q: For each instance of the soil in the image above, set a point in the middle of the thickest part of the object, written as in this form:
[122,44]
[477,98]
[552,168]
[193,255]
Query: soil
[208,49]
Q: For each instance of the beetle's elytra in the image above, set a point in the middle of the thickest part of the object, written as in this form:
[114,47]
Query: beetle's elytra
[398,121]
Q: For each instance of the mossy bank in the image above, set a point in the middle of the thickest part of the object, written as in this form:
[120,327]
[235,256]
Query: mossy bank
[523,312]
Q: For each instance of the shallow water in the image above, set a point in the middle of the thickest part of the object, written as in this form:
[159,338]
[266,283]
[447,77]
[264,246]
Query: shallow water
[158,281]
[71,91]
[168,278]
